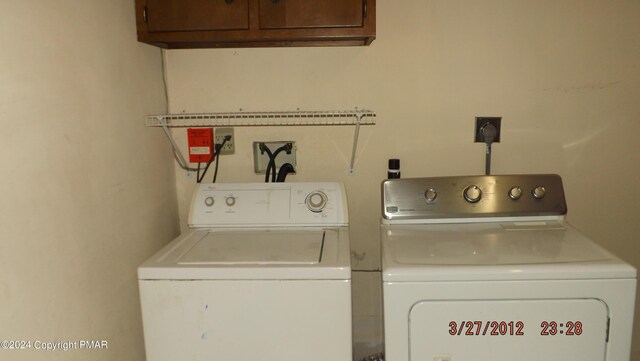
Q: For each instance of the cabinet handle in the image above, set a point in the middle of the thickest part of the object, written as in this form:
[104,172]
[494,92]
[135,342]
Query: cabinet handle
[365,6]
[228,1]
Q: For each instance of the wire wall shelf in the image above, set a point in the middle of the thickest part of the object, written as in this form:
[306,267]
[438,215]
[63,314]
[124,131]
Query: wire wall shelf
[253,119]
[354,118]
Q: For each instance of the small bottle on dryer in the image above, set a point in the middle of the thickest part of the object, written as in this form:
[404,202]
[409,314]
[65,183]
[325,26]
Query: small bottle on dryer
[394,169]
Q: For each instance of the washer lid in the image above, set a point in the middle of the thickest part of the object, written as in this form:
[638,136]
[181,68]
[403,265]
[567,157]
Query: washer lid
[254,253]
[495,251]
[256,247]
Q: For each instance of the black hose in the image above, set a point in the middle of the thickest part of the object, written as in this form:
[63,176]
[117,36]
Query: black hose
[265,149]
[285,169]
[271,166]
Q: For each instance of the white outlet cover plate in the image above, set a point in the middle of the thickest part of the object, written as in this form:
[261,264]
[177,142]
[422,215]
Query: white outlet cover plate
[229,146]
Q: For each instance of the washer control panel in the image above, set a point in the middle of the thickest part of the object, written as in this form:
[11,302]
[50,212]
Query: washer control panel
[473,196]
[268,204]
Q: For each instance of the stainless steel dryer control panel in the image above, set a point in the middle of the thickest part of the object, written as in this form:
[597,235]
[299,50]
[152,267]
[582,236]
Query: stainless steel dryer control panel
[473,197]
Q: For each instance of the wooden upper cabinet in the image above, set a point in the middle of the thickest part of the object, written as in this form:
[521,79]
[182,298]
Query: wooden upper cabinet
[193,15]
[296,14]
[255,23]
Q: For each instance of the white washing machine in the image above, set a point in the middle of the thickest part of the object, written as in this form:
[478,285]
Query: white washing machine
[263,274]
[485,268]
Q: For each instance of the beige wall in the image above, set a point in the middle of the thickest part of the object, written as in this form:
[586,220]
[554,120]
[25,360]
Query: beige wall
[564,76]
[87,191]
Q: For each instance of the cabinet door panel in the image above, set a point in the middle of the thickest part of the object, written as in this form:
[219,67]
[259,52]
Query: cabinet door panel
[292,14]
[194,15]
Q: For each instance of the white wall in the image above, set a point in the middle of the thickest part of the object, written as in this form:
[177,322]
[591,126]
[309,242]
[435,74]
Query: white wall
[564,76]
[87,192]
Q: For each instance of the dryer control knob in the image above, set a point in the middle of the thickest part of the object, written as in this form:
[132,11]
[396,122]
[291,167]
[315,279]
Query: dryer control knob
[430,195]
[230,201]
[472,194]
[515,193]
[538,192]
[316,201]
[209,201]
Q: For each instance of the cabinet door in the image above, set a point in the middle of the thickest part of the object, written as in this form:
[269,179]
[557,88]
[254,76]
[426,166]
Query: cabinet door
[296,14]
[196,15]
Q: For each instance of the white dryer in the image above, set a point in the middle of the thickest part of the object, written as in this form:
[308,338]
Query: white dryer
[485,268]
[263,274]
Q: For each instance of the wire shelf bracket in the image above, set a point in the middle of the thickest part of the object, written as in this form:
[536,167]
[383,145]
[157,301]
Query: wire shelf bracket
[356,118]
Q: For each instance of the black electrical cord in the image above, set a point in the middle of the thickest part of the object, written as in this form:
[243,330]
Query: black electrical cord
[215,155]
[200,177]
[271,167]
[489,132]
[215,170]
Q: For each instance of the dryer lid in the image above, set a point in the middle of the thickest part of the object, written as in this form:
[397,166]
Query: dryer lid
[495,251]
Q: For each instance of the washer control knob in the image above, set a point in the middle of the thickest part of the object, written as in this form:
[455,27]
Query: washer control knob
[515,193]
[472,194]
[538,192]
[316,201]
[430,195]
[209,201]
[230,201]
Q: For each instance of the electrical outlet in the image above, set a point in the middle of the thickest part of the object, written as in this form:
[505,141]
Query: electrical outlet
[261,159]
[481,122]
[220,133]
